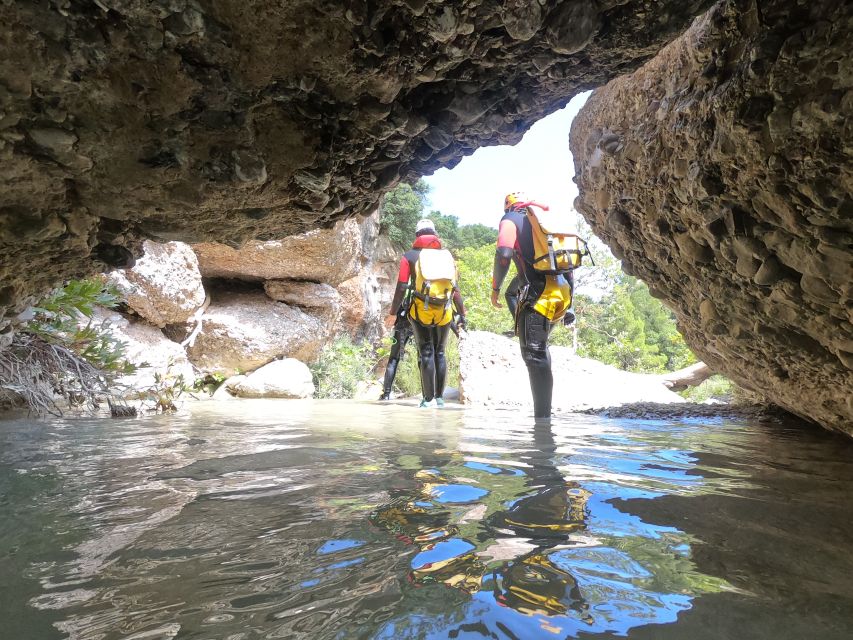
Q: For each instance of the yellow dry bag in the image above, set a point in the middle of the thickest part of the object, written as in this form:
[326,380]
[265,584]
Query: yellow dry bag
[556,250]
[432,292]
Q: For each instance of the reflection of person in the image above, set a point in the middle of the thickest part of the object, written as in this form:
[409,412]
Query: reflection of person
[430,317]
[529,583]
[541,301]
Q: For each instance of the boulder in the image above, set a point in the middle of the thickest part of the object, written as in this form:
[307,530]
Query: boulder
[322,255]
[152,352]
[164,286]
[722,172]
[288,378]
[243,331]
[319,298]
[492,373]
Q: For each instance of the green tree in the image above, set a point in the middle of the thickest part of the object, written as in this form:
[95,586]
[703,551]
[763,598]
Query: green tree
[401,209]
[475,285]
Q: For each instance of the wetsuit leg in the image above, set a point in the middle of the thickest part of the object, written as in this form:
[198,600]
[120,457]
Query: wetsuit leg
[426,358]
[511,295]
[402,333]
[440,339]
[533,332]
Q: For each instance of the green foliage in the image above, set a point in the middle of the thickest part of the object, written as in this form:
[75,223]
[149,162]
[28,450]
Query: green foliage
[456,237]
[402,207]
[405,204]
[57,321]
[341,366]
[716,387]
[475,285]
[631,330]
[162,396]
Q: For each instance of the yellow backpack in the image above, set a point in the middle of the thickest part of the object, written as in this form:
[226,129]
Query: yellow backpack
[556,250]
[432,293]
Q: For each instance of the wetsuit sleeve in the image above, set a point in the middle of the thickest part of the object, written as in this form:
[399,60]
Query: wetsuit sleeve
[402,285]
[457,302]
[507,236]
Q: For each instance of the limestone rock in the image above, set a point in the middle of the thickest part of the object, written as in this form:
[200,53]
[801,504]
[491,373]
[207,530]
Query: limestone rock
[226,391]
[492,373]
[322,255]
[311,296]
[286,378]
[243,331]
[729,154]
[164,286]
[147,348]
[236,120]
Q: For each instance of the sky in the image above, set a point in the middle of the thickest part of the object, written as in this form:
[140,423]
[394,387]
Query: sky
[540,165]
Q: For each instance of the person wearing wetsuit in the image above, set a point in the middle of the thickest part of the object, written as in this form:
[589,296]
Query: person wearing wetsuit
[532,327]
[430,339]
[402,334]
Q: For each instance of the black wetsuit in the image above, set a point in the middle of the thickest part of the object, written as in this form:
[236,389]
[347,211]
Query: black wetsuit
[430,340]
[402,334]
[533,329]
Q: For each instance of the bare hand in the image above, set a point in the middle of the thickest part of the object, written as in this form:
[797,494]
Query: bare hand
[389,321]
[495,299]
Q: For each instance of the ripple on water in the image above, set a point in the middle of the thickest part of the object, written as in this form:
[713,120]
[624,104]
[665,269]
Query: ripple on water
[347,520]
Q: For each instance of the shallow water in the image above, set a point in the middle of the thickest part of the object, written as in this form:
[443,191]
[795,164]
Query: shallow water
[343,520]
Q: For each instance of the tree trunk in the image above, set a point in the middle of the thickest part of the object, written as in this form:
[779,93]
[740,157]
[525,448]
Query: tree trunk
[691,376]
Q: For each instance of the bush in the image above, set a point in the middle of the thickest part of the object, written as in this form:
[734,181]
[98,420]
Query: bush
[58,355]
[716,387]
[341,366]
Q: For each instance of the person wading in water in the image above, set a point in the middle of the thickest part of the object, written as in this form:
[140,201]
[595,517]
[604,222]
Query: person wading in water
[427,277]
[545,256]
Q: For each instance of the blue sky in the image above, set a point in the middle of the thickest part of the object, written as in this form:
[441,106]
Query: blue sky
[540,165]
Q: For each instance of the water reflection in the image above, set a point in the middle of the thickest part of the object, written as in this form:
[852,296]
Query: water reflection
[534,545]
[357,521]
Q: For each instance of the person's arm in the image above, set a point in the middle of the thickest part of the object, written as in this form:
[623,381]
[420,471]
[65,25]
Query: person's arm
[507,233]
[399,292]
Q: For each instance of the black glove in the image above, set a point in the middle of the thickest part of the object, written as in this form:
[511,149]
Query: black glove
[460,322]
[569,318]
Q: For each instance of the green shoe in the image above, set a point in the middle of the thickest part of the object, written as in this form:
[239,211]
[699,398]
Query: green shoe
[427,404]
[439,402]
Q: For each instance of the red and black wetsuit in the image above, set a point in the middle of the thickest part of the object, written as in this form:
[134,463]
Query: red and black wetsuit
[430,339]
[515,239]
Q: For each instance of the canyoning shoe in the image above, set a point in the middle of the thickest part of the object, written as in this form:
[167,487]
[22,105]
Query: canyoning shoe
[385,396]
[439,402]
[427,404]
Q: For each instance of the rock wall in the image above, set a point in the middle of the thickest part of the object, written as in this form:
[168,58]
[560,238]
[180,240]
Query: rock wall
[720,173]
[238,119]
[242,328]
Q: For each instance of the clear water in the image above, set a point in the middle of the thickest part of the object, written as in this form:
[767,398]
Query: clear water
[345,520]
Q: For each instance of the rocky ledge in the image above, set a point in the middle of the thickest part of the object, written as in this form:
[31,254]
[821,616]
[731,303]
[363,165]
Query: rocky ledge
[239,119]
[720,173]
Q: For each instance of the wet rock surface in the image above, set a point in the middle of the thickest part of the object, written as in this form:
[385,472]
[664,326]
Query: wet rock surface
[720,173]
[234,120]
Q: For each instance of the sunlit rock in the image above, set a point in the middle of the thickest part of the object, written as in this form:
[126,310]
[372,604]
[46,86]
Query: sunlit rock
[243,331]
[287,378]
[492,373]
[163,287]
